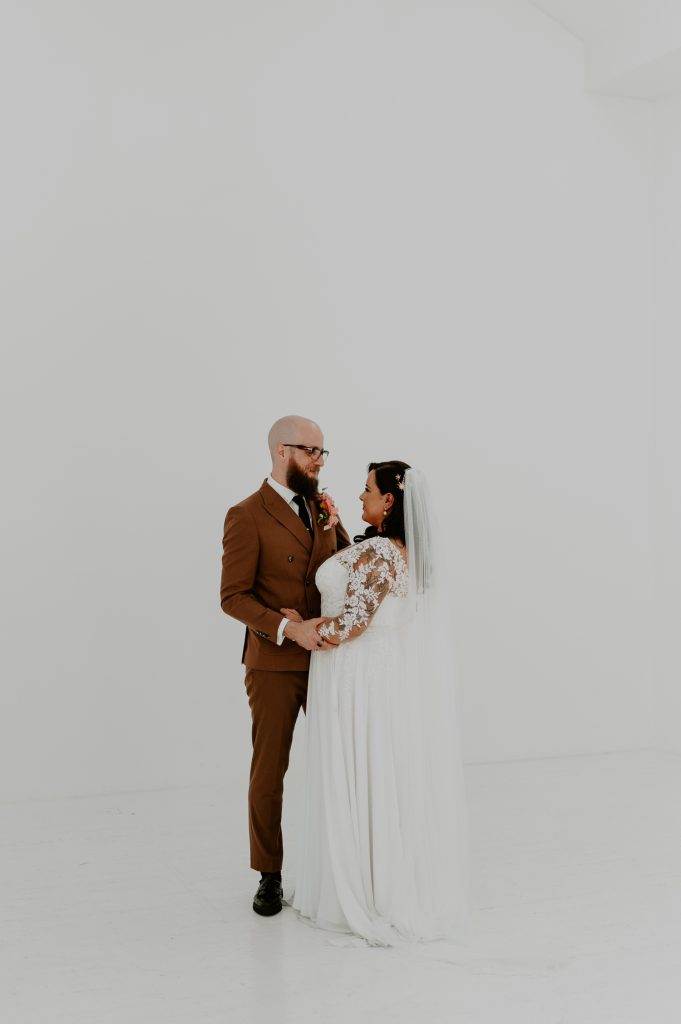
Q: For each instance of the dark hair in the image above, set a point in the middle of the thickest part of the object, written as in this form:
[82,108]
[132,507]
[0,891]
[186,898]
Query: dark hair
[389,480]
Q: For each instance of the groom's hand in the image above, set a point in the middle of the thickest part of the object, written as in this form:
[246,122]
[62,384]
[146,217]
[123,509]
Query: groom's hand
[305,634]
[292,614]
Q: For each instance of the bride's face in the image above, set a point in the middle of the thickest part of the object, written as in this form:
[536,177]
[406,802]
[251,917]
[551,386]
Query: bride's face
[374,504]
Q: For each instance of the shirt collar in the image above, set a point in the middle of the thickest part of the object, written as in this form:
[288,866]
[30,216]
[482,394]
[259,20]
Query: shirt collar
[286,493]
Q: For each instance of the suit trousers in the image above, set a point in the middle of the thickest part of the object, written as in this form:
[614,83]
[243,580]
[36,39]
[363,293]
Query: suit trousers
[275,698]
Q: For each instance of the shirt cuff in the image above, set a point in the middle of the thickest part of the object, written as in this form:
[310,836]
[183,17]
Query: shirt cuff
[280,631]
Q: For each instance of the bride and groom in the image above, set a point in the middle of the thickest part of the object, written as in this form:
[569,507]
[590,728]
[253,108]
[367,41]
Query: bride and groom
[357,635]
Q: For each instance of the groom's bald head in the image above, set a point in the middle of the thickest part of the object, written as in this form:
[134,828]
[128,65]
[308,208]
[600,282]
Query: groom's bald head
[294,430]
[296,469]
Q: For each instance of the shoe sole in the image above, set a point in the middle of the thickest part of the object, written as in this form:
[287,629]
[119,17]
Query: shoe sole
[267,911]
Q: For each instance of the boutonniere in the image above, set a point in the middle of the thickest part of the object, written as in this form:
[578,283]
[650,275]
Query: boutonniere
[327,511]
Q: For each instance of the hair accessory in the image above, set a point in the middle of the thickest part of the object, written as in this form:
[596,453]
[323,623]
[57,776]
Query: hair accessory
[400,483]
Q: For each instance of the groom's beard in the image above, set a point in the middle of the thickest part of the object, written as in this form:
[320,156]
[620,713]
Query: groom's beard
[300,483]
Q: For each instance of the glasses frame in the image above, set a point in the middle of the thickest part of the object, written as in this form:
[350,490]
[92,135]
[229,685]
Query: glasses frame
[322,453]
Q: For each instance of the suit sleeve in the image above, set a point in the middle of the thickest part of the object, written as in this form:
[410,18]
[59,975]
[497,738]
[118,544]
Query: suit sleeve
[240,553]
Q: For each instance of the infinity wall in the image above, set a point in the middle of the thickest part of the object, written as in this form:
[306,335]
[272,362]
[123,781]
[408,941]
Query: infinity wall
[408,221]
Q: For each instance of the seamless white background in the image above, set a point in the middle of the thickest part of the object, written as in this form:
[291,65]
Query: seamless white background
[407,221]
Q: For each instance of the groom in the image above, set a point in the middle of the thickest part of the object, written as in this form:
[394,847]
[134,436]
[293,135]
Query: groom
[273,545]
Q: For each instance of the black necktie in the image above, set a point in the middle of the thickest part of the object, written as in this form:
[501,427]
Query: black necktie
[303,513]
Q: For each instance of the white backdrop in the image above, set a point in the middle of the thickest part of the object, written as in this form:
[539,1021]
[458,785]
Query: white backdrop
[406,221]
[667,420]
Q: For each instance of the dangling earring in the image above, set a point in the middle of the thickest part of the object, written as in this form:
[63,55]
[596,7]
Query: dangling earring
[385,511]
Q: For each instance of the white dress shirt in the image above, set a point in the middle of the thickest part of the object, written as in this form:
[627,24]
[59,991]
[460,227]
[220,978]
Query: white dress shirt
[288,495]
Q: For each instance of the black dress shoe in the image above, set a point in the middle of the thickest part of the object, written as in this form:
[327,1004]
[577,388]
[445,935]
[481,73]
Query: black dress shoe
[267,900]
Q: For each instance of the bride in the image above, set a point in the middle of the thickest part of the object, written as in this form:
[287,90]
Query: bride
[383,846]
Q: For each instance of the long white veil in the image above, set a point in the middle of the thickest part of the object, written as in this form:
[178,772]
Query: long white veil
[433,811]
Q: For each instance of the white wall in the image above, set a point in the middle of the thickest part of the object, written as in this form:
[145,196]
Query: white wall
[667,609]
[632,47]
[405,220]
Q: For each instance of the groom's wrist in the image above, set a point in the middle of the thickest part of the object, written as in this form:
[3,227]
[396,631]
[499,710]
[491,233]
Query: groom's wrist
[290,629]
[281,631]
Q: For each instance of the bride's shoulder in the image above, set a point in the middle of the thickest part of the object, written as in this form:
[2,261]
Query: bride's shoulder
[356,550]
[353,551]
[370,545]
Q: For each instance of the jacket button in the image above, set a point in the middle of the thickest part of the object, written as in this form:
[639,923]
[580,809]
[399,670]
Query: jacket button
[307,583]
[290,558]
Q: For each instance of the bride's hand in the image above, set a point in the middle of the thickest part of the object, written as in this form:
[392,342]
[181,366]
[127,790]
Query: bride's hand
[291,614]
[305,634]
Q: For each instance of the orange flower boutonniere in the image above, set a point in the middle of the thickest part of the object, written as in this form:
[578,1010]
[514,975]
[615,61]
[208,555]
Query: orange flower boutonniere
[327,511]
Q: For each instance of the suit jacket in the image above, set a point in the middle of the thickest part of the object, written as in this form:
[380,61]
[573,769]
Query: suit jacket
[269,562]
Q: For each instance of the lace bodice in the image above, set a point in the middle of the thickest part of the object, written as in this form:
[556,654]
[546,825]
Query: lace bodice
[354,583]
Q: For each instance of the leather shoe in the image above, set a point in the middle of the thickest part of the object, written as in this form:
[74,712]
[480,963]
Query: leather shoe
[267,900]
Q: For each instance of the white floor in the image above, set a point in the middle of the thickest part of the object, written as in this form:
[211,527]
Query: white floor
[136,907]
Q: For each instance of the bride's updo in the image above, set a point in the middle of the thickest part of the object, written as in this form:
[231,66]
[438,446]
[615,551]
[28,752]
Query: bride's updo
[389,479]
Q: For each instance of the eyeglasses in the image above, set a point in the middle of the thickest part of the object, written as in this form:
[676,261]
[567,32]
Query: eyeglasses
[314,453]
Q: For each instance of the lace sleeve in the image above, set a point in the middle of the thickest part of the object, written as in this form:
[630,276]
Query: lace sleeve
[373,574]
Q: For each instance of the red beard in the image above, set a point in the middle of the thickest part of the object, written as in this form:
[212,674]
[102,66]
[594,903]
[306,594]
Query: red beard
[300,483]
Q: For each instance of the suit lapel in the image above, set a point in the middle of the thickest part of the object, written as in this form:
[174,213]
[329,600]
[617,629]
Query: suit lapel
[284,514]
[317,528]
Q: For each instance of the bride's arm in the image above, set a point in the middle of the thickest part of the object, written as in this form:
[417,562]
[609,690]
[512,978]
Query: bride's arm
[371,577]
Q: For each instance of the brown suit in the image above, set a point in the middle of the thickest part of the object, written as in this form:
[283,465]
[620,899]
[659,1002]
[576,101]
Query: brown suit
[269,562]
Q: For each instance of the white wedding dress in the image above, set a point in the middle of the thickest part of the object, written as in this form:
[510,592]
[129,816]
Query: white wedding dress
[377,857]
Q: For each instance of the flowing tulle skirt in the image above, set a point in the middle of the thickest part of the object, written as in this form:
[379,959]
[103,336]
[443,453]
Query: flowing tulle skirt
[373,846]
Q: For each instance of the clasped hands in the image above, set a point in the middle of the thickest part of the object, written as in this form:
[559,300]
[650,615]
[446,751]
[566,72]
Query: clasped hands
[305,631]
